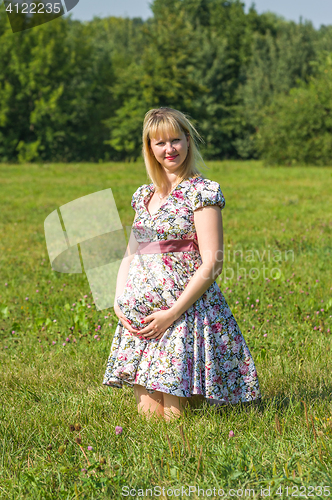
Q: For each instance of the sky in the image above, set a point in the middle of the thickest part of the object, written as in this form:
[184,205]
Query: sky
[318,11]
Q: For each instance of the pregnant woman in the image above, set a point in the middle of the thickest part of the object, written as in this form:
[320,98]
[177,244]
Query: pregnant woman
[176,339]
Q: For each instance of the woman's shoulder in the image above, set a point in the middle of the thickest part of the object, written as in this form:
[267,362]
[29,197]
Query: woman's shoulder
[200,183]
[139,195]
[205,192]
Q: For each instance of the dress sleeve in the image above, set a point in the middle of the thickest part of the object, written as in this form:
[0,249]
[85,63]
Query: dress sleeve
[207,193]
[136,199]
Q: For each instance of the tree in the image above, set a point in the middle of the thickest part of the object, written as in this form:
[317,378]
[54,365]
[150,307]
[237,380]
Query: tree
[53,93]
[297,127]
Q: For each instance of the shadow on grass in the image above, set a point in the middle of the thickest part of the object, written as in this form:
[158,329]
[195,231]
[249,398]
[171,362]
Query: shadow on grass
[278,403]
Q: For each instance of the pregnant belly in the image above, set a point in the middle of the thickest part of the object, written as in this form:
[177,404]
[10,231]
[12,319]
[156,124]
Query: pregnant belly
[151,288]
[138,302]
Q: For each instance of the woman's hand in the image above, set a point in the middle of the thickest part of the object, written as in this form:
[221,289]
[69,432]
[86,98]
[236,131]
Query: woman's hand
[158,321]
[125,322]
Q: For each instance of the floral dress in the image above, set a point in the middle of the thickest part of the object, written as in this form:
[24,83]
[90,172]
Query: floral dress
[203,351]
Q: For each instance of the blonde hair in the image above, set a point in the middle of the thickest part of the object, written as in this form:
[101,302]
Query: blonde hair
[163,121]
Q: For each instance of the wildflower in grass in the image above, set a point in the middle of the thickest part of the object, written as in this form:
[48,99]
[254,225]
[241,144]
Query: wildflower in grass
[328,330]
[13,332]
[105,317]
[268,320]
[90,448]
[99,327]
[265,335]
[280,297]
[96,336]
[67,339]
[6,347]
[237,302]
[252,305]
[256,310]
[64,344]
[84,471]
[118,430]
[37,291]
[257,300]
[53,342]
[253,327]
[315,327]
[89,306]
[231,434]
[317,281]
[85,296]
[74,304]
[322,310]
[54,321]
[26,298]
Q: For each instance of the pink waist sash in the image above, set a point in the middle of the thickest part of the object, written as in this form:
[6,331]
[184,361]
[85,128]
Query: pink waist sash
[165,246]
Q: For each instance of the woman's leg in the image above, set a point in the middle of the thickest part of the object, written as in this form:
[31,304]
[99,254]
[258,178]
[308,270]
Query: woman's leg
[173,406]
[149,404]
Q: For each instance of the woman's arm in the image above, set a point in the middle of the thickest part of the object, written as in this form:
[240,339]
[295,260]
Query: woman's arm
[124,266]
[208,223]
[122,279]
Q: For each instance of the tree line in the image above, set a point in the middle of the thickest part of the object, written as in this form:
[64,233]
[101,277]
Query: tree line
[255,85]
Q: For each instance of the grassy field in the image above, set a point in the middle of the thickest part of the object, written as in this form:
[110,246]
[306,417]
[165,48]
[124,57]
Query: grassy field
[277,281]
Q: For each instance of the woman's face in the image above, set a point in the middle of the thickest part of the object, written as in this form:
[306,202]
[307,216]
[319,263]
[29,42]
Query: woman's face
[170,150]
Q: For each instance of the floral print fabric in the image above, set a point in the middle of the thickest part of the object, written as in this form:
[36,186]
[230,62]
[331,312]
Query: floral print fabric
[203,351]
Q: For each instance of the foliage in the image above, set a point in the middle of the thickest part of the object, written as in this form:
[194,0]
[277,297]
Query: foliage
[297,127]
[72,91]
[52,105]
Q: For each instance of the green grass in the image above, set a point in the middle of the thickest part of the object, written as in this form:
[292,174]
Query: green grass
[284,315]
